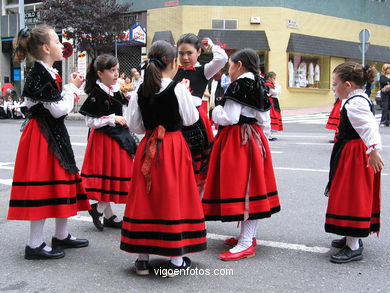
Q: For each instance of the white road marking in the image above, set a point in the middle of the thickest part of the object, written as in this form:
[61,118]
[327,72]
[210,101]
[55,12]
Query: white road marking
[276,152]
[6,182]
[83,144]
[310,170]
[282,245]
[303,136]
[315,143]
[4,165]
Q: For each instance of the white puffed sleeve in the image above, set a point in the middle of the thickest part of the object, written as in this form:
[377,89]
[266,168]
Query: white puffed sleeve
[65,105]
[219,60]
[264,120]
[363,121]
[229,114]
[188,112]
[134,116]
[93,122]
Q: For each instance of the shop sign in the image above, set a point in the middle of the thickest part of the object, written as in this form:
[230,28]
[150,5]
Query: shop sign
[138,34]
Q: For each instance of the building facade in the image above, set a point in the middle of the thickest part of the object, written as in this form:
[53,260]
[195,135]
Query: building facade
[301,40]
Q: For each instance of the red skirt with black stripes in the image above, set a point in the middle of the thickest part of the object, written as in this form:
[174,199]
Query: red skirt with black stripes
[238,175]
[107,169]
[41,187]
[276,116]
[354,195]
[168,220]
[334,116]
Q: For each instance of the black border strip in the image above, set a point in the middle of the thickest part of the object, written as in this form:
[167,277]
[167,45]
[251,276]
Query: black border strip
[52,182]
[239,199]
[163,235]
[163,222]
[105,177]
[233,218]
[163,250]
[349,218]
[124,193]
[47,201]
[347,231]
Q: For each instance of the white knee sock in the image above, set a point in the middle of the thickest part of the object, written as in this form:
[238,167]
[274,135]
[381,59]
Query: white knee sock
[36,234]
[248,231]
[108,213]
[352,242]
[177,261]
[143,257]
[101,206]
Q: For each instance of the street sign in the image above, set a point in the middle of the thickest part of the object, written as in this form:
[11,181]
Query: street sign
[68,50]
[364,35]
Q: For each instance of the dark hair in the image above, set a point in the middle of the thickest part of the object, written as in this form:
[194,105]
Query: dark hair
[189,39]
[100,63]
[249,59]
[160,55]
[270,74]
[29,41]
[352,71]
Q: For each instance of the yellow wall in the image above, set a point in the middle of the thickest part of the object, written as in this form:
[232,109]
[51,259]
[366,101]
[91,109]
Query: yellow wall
[185,19]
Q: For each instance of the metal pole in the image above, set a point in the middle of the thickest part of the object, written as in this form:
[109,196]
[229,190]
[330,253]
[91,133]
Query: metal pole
[364,49]
[21,25]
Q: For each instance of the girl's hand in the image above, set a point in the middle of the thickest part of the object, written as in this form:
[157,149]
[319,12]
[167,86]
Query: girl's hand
[121,121]
[375,160]
[185,82]
[77,79]
[207,44]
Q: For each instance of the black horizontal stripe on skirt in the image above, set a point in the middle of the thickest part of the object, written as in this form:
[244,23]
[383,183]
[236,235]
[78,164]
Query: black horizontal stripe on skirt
[47,201]
[163,222]
[348,231]
[239,199]
[348,218]
[38,183]
[233,218]
[105,177]
[164,235]
[332,124]
[163,250]
[106,191]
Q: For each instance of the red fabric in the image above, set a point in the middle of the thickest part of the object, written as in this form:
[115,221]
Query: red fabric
[58,81]
[227,177]
[334,116]
[276,117]
[173,197]
[189,68]
[156,136]
[38,166]
[354,196]
[5,87]
[107,169]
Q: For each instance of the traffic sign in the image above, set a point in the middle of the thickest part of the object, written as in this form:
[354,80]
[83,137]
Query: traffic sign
[364,35]
[68,50]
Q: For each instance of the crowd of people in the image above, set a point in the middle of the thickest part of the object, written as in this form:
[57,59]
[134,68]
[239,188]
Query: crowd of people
[12,107]
[180,175]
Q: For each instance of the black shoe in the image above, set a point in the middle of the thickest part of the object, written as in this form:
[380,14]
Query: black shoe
[68,243]
[340,243]
[331,141]
[95,217]
[40,253]
[174,270]
[272,139]
[142,267]
[111,223]
[346,254]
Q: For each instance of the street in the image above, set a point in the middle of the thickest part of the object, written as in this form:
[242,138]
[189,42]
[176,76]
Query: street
[292,253]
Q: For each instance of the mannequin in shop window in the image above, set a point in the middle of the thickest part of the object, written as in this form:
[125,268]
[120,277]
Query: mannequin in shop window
[317,75]
[310,75]
[291,73]
[302,71]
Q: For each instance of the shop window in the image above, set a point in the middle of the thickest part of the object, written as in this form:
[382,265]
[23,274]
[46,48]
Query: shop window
[308,71]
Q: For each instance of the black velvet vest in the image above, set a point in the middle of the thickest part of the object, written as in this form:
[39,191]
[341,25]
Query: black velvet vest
[41,87]
[161,109]
[198,81]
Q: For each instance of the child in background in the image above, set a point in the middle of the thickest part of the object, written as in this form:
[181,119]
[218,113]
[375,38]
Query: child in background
[273,95]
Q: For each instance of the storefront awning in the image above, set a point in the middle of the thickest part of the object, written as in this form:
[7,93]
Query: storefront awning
[329,47]
[165,36]
[237,39]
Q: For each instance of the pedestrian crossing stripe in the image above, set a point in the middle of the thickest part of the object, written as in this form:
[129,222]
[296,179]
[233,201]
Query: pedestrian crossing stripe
[314,119]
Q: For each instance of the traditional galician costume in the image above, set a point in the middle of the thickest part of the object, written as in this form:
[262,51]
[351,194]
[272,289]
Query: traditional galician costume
[108,161]
[199,136]
[353,188]
[46,182]
[240,184]
[334,117]
[275,112]
[163,213]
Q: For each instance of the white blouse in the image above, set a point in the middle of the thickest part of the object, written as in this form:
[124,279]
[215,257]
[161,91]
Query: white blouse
[61,107]
[93,122]
[187,110]
[362,119]
[230,113]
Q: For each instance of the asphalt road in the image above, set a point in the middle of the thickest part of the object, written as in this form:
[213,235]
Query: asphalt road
[293,249]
